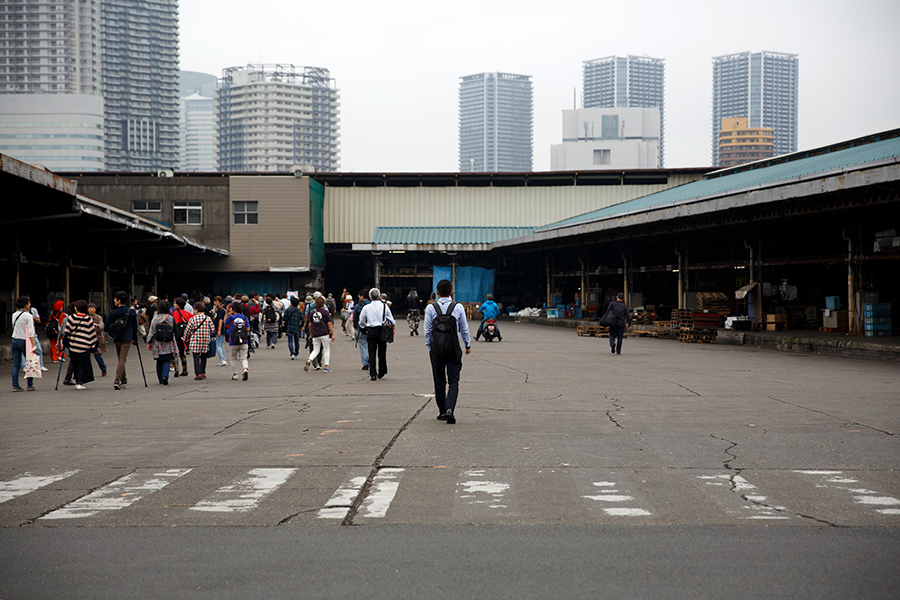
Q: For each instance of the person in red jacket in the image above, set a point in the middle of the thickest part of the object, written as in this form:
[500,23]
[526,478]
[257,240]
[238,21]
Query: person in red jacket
[53,330]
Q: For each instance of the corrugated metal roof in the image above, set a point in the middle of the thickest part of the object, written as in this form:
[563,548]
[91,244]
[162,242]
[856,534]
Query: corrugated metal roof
[764,174]
[447,235]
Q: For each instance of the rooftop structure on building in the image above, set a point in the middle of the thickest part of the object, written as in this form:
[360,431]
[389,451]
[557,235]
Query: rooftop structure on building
[597,139]
[627,82]
[761,87]
[140,84]
[272,117]
[495,123]
[51,111]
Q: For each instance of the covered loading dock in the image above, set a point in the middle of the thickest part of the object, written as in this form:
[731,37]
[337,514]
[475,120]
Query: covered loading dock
[61,245]
[807,226]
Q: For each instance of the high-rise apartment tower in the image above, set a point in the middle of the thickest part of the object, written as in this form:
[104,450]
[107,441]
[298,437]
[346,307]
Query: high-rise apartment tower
[275,116]
[627,82]
[140,84]
[495,123]
[51,110]
[761,87]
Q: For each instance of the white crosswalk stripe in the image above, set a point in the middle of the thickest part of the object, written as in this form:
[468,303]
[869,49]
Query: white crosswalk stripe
[866,497]
[244,494]
[27,483]
[339,504]
[384,488]
[608,492]
[475,494]
[117,495]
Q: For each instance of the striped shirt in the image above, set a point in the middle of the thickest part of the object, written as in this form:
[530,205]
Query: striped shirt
[80,332]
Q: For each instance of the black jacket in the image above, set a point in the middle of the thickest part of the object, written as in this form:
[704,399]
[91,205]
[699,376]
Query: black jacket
[131,330]
[621,313]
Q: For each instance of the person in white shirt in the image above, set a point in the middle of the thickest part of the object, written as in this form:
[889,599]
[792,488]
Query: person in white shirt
[372,318]
[23,328]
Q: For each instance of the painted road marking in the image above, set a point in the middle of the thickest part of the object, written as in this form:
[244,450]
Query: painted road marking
[607,491]
[340,502]
[866,497]
[117,495]
[27,483]
[756,507]
[384,488]
[485,492]
[245,494]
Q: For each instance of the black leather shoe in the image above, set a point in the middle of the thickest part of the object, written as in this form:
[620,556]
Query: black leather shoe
[381,377]
[442,417]
[374,378]
[451,420]
[365,368]
[612,350]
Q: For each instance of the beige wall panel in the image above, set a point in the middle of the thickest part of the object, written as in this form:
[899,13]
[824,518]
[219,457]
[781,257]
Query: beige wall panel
[353,213]
[281,238]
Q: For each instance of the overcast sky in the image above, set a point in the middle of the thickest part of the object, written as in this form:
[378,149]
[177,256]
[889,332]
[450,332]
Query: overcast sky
[397,63]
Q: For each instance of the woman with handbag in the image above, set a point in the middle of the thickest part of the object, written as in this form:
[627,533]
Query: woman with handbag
[321,332]
[162,341]
[101,338]
[378,322]
[81,337]
[199,338]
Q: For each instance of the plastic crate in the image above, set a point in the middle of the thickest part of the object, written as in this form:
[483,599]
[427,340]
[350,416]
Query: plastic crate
[878,326]
[880,333]
[833,302]
[877,306]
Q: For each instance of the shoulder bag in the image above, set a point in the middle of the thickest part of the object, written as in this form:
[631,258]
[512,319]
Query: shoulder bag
[387,330]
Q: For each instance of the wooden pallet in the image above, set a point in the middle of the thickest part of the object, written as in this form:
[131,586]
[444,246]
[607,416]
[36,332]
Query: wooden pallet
[592,330]
[834,329]
[696,340]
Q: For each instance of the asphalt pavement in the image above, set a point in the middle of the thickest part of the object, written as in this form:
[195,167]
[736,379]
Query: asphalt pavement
[670,471]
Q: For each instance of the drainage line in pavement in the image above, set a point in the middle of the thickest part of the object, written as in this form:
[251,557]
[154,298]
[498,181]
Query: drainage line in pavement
[376,466]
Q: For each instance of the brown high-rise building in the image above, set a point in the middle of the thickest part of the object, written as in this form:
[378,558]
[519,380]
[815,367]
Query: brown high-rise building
[740,142]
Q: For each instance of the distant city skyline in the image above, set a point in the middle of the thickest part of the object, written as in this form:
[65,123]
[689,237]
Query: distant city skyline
[399,100]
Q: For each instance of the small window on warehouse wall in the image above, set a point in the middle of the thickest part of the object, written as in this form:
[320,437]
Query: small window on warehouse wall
[246,213]
[188,213]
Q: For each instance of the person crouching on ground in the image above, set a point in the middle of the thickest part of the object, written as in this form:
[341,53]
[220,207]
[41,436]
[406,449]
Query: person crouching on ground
[445,321]
[321,330]
[198,336]
[81,336]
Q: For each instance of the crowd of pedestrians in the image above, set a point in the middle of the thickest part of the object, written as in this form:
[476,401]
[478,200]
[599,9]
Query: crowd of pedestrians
[202,328]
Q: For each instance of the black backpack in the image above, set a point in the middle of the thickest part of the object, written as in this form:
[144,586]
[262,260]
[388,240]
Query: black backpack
[444,341]
[181,327]
[164,331]
[270,314]
[117,327]
[53,327]
[239,333]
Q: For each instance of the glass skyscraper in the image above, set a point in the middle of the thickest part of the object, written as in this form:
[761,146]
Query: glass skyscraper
[140,84]
[495,123]
[761,87]
[627,82]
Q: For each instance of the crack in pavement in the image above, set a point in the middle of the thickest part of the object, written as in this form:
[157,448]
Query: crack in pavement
[820,412]
[490,362]
[377,466]
[738,484]
[618,407]
[253,413]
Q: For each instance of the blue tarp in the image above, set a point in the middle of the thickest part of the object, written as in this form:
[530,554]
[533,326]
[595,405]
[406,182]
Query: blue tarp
[472,283]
